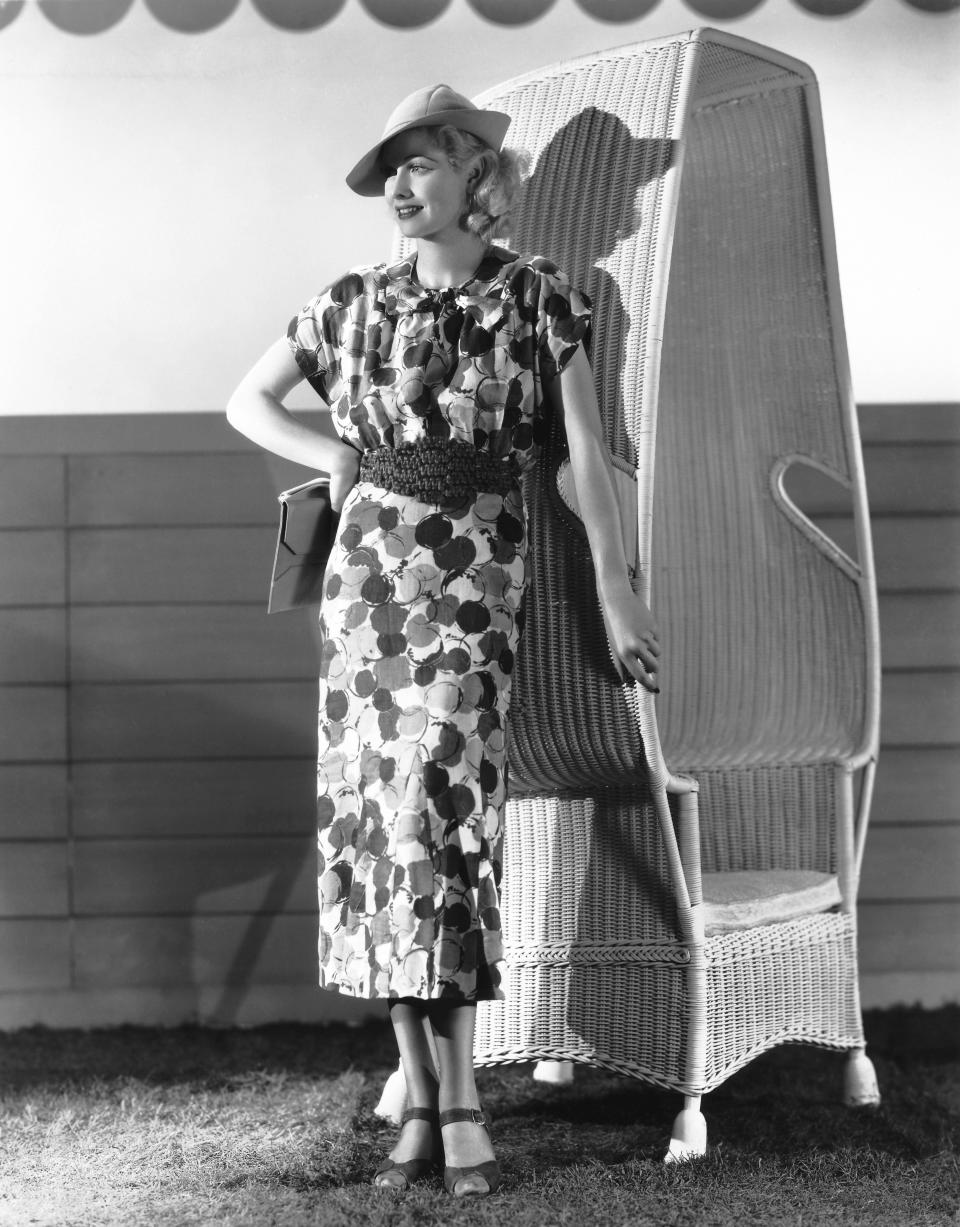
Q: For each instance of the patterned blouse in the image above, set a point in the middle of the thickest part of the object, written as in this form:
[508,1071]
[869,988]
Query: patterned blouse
[397,361]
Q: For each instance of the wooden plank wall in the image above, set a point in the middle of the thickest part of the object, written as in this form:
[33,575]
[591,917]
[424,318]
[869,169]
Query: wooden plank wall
[910,889]
[157,730]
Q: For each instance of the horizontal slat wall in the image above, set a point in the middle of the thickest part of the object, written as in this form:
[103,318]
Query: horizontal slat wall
[910,889]
[157,729]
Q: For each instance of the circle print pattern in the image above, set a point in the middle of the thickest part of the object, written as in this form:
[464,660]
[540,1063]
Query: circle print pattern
[421,613]
[421,626]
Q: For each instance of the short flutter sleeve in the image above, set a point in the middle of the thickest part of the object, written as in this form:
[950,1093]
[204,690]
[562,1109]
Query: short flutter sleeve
[305,338]
[318,333]
[563,319]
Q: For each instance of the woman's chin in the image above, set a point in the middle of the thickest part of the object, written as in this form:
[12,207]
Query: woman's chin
[409,222]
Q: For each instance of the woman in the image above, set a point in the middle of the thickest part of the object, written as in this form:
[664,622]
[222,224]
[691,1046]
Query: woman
[440,372]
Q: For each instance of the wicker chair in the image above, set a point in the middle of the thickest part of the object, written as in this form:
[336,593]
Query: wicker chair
[681,877]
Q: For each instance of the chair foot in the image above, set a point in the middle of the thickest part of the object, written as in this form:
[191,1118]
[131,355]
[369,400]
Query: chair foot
[393,1098]
[860,1089]
[689,1137]
[559,1073]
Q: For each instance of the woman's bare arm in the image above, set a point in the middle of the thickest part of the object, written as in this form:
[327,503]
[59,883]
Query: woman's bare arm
[256,410]
[636,639]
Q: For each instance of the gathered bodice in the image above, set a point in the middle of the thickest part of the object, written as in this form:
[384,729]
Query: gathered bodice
[398,361]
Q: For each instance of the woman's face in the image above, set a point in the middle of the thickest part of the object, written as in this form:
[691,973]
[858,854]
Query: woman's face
[426,194]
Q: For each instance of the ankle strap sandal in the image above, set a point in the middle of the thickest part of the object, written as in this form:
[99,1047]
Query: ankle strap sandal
[399,1176]
[478,1180]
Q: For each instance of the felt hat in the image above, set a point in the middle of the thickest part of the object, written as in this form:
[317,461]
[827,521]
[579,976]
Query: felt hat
[430,107]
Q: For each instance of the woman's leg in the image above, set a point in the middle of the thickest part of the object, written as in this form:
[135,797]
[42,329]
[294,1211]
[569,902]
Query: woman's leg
[464,1142]
[411,1026]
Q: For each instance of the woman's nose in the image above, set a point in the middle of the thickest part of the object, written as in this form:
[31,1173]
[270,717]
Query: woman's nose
[398,184]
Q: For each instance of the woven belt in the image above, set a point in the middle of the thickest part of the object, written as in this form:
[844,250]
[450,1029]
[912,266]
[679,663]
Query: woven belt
[436,470]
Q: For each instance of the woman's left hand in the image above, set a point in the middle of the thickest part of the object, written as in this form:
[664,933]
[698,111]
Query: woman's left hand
[631,628]
[634,636]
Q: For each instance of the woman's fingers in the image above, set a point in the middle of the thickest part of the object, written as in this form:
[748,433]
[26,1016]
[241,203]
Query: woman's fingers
[646,677]
[647,647]
[635,638]
[640,658]
[651,664]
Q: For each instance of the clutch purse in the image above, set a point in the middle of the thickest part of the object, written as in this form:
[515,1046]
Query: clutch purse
[308,528]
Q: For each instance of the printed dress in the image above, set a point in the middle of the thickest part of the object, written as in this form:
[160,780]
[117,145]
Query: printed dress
[421,614]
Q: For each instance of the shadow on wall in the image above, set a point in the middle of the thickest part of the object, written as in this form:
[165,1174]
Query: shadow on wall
[615,883]
[617,167]
[571,727]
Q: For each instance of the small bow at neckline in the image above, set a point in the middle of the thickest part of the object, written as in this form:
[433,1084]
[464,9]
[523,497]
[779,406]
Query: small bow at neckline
[415,299]
[444,314]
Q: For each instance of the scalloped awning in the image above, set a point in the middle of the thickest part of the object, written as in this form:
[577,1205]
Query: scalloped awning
[197,16]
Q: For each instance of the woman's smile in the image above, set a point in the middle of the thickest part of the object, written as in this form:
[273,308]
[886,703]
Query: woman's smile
[424,190]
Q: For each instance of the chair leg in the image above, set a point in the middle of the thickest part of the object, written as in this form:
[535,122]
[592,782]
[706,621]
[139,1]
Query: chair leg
[860,1089]
[559,1073]
[689,1137]
[393,1098]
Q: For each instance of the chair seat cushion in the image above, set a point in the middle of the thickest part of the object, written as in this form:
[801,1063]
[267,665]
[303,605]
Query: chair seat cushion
[747,898]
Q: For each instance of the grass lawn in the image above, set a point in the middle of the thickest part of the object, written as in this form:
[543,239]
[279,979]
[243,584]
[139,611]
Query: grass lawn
[274,1127]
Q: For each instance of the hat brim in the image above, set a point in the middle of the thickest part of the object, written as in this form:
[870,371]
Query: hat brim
[367,177]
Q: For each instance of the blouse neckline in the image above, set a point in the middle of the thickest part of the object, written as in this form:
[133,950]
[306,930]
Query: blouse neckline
[492,262]
[459,288]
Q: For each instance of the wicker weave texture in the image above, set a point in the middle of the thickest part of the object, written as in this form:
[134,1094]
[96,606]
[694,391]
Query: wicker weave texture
[563,736]
[767,634]
[596,1013]
[725,71]
[778,984]
[682,182]
[768,817]
[609,124]
[586,874]
[602,138]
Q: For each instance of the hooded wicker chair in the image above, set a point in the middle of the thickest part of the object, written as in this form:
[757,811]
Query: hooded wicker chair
[681,875]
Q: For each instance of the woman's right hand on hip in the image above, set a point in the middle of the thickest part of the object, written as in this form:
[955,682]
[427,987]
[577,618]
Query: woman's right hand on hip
[343,468]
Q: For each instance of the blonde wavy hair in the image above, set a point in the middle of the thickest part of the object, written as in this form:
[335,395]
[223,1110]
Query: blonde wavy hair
[491,197]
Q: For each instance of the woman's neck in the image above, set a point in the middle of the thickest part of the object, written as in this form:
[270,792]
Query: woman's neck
[450,262]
